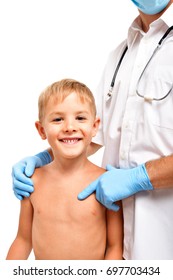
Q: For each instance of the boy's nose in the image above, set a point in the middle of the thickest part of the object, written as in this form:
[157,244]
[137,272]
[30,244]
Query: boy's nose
[70,126]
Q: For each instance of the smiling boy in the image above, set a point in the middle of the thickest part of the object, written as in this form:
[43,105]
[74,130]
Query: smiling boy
[52,220]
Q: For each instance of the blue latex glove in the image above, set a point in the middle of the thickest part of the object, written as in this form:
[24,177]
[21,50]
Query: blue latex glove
[21,171]
[117,184]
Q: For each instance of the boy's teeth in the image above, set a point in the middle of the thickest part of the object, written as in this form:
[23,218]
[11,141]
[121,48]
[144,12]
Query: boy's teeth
[70,141]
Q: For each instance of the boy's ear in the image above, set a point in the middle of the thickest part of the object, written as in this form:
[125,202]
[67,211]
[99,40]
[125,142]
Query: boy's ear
[40,130]
[96,126]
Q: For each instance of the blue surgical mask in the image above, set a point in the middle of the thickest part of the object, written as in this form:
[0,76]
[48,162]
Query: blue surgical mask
[151,7]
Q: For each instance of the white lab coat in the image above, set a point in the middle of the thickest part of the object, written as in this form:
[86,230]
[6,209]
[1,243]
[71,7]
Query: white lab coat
[134,131]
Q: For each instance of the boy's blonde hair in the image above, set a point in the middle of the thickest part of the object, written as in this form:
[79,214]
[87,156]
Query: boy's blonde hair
[60,90]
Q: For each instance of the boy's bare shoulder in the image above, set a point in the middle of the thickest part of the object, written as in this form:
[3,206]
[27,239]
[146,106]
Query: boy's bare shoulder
[39,172]
[97,170]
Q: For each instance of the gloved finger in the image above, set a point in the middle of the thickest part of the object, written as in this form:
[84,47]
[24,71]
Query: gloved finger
[22,186]
[109,167]
[30,167]
[18,196]
[88,190]
[18,171]
[114,207]
[20,177]
[22,193]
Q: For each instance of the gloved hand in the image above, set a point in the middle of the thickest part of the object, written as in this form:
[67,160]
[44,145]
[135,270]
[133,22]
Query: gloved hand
[117,184]
[21,171]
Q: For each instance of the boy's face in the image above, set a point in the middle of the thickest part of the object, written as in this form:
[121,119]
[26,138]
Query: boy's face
[68,126]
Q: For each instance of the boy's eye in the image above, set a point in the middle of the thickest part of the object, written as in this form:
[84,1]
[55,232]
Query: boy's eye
[57,120]
[81,118]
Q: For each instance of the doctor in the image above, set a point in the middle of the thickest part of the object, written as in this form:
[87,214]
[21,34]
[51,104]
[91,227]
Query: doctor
[135,103]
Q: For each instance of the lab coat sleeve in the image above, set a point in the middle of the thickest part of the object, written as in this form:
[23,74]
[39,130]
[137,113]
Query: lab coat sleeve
[102,91]
[99,138]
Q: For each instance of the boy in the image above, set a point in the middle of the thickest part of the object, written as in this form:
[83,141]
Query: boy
[52,220]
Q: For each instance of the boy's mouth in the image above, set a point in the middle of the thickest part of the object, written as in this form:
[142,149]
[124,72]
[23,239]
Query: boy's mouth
[70,141]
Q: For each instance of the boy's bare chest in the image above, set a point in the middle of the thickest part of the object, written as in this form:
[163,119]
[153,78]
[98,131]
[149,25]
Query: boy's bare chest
[58,201]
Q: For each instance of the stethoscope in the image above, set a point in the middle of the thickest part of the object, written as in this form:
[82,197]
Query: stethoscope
[147,98]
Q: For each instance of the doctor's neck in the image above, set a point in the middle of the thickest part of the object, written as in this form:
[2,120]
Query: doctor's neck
[148,19]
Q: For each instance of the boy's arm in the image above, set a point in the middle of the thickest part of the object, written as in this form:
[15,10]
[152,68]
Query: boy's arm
[114,248]
[22,245]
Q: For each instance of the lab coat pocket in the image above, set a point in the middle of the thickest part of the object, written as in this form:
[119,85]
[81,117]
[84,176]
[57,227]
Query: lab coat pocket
[162,88]
[162,112]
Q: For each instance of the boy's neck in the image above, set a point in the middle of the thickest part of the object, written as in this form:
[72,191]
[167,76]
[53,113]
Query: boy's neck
[70,165]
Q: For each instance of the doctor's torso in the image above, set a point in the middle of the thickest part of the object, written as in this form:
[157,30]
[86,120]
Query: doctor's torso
[135,131]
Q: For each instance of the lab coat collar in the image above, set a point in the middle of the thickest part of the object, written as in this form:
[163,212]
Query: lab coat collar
[134,30]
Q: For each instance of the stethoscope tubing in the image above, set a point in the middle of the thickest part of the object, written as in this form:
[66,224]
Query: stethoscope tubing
[109,94]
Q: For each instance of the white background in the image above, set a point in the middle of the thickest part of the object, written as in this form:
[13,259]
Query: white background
[42,41]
